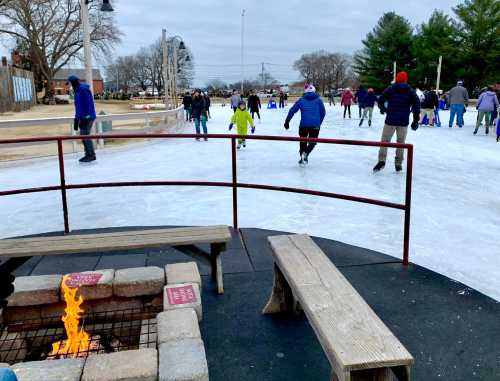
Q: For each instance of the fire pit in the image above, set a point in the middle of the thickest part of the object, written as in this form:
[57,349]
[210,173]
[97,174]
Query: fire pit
[105,319]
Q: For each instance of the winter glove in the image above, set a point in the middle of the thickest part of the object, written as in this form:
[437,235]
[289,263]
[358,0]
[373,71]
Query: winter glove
[414,125]
[253,130]
[287,125]
[231,126]
[75,124]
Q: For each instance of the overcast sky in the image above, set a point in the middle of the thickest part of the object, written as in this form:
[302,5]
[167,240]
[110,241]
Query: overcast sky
[276,32]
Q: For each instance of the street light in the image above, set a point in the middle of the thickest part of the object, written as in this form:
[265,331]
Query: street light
[87,53]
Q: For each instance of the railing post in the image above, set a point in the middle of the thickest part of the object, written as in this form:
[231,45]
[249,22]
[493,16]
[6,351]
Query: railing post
[409,179]
[60,154]
[235,183]
[73,133]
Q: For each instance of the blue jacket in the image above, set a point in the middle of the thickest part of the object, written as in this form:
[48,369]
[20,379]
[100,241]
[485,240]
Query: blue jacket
[312,111]
[360,97]
[370,100]
[398,101]
[84,103]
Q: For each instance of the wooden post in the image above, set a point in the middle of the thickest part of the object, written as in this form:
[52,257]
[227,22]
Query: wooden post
[215,259]
[281,299]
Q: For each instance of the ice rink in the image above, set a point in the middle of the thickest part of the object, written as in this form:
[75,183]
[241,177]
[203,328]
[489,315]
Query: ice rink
[456,191]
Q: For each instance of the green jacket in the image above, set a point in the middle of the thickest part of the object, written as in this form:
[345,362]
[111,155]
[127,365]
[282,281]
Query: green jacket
[241,118]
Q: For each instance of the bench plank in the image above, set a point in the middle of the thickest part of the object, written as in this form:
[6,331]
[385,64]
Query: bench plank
[70,244]
[351,334]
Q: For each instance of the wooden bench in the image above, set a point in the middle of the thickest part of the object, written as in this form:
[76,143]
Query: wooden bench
[357,343]
[183,239]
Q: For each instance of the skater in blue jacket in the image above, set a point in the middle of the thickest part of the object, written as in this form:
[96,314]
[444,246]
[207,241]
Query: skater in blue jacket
[313,113]
[84,115]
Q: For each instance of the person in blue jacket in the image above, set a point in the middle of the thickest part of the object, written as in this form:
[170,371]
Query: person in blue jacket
[360,99]
[369,104]
[313,113]
[398,101]
[84,115]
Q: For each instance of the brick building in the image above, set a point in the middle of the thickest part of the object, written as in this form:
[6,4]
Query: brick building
[61,77]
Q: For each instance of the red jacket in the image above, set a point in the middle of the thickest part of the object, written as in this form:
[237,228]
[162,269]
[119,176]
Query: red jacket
[347,98]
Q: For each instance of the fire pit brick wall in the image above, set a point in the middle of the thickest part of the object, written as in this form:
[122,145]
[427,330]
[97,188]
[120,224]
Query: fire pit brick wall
[39,297]
[179,353]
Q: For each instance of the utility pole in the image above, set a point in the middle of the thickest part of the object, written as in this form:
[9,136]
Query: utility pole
[394,71]
[438,81]
[165,65]
[262,76]
[84,13]
[242,48]
[174,78]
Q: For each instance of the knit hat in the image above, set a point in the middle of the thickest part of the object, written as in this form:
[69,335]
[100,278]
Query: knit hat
[309,88]
[402,77]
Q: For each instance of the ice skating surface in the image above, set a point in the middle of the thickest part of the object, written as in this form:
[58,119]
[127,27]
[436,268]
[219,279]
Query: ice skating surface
[455,214]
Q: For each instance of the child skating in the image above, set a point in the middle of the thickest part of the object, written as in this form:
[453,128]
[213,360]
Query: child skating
[242,118]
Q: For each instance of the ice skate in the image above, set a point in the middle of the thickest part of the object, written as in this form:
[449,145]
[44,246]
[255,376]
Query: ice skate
[475,131]
[305,158]
[399,167]
[244,144]
[380,165]
[361,122]
[238,146]
[369,123]
[487,130]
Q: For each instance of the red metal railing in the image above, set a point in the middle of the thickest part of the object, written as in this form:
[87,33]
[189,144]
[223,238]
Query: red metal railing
[234,184]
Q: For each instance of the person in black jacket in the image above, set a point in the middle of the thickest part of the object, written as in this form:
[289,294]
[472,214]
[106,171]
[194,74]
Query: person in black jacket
[398,101]
[254,104]
[199,113]
[282,100]
[430,103]
[187,101]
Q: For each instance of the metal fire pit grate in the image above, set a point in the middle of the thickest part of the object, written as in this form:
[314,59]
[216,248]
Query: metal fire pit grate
[109,331]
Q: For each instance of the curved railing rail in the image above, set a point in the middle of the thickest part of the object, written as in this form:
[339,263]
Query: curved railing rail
[234,184]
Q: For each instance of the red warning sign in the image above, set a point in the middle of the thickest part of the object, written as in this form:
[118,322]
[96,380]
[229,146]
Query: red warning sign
[80,279]
[181,295]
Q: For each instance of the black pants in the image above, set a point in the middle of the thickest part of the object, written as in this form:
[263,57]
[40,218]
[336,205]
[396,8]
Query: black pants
[308,132]
[347,108]
[253,112]
[282,103]
[85,129]
[235,108]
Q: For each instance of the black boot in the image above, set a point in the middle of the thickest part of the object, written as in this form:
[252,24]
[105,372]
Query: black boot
[475,131]
[380,165]
[399,167]
[369,123]
[360,122]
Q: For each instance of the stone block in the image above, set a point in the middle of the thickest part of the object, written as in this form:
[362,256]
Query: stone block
[186,295]
[113,307]
[183,361]
[139,281]
[136,365]
[35,290]
[94,284]
[26,314]
[4,365]
[186,272]
[49,370]
[175,325]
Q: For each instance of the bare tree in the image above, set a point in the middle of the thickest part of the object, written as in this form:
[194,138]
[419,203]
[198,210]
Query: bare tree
[51,31]
[324,69]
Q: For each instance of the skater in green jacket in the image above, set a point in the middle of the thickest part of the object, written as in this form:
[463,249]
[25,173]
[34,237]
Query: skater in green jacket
[242,118]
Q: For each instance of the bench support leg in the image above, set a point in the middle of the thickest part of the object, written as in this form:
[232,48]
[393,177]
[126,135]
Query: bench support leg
[281,299]
[215,258]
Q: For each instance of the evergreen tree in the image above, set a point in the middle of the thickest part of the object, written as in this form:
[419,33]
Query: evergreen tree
[391,40]
[437,37]
[479,41]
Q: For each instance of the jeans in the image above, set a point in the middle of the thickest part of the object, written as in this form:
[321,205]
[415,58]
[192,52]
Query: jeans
[458,110]
[86,129]
[203,124]
[361,108]
[387,134]
[367,111]
[188,114]
[486,115]
[282,103]
[308,132]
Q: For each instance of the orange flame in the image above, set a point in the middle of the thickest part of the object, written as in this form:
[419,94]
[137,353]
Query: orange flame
[78,339]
